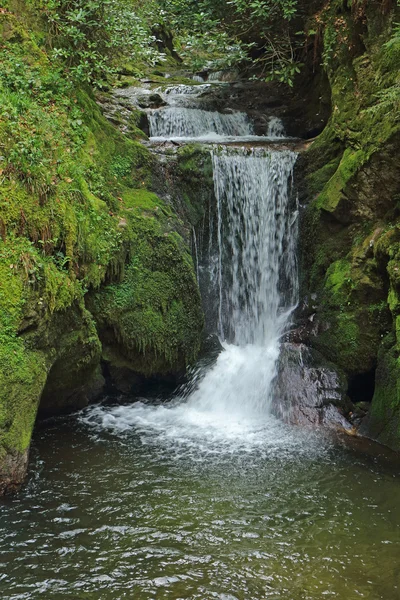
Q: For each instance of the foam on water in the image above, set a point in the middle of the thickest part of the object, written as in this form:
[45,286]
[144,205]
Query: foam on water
[225,414]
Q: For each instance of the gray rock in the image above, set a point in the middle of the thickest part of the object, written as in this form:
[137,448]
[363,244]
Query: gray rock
[150,101]
[309,391]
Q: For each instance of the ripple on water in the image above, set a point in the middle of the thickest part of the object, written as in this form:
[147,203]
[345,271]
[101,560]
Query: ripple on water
[128,511]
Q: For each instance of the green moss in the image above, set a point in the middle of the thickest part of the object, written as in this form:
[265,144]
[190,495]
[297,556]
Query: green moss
[384,420]
[75,208]
[332,194]
[22,372]
[338,281]
[142,200]
[318,179]
[193,179]
[155,312]
[22,379]
[350,242]
[353,313]
[74,377]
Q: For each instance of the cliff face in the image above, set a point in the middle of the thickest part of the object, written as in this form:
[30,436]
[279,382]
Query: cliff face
[93,265]
[351,223]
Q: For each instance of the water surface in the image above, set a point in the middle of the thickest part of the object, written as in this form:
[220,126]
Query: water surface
[144,502]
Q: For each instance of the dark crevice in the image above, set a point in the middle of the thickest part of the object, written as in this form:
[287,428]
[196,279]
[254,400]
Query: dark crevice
[362,387]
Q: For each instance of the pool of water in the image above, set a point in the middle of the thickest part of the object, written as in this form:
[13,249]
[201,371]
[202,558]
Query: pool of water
[145,502]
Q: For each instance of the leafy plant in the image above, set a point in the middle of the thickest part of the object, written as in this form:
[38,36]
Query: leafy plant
[220,34]
[389,99]
[89,37]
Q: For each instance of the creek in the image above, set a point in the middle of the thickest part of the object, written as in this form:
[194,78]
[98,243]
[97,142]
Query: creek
[210,495]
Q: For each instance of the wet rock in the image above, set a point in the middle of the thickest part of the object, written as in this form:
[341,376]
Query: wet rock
[123,379]
[12,471]
[309,391]
[150,101]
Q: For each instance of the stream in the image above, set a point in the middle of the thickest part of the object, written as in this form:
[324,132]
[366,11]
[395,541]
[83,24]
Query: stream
[209,495]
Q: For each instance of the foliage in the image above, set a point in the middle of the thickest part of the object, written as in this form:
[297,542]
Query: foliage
[88,36]
[221,34]
[389,99]
[74,211]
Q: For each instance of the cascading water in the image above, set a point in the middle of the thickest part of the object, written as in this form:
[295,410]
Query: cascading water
[255,272]
[252,263]
[254,243]
[177,122]
[276,129]
[209,496]
[256,278]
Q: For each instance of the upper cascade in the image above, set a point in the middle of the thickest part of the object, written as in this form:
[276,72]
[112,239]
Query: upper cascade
[187,113]
[176,122]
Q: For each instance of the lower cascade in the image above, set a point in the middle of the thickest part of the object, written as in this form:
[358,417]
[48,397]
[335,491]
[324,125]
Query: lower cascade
[256,277]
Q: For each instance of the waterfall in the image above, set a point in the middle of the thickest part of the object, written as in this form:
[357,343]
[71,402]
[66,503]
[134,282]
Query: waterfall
[256,278]
[254,243]
[177,122]
[252,262]
[247,269]
[276,128]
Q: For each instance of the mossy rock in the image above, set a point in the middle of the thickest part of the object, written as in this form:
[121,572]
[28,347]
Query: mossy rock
[75,377]
[350,240]
[53,363]
[76,214]
[151,322]
[353,313]
[383,423]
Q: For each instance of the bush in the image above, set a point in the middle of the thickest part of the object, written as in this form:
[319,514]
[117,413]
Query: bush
[92,37]
[220,34]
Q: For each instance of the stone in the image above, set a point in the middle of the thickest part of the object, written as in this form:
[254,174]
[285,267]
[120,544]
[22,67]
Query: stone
[150,101]
[307,391]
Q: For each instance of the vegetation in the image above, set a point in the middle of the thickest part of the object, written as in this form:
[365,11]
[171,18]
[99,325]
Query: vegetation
[85,245]
[350,229]
[223,34]
[92,38]
[75,217]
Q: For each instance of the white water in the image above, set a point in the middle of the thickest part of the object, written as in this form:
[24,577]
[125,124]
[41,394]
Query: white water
[214,138]
[276,129]
[254,244]
[177,122]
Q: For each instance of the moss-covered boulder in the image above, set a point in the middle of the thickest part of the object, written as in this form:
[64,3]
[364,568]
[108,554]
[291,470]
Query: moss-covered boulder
[51,361]
[383,422]
[151,321]
[75,376]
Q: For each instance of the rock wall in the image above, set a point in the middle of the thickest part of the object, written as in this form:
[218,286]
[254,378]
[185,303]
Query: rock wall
[350,220]
[95,268]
